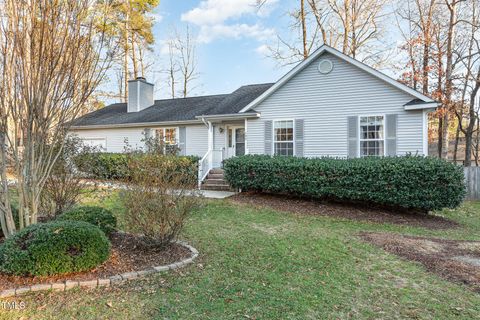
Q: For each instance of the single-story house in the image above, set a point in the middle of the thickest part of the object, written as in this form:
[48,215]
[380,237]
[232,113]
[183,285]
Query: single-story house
[328,105]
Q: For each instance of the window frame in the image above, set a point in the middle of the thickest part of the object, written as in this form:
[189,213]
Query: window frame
[359,132]
[177,140]
[274,136]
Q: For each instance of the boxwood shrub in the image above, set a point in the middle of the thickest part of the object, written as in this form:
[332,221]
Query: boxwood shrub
[412,182]
[98,216]
[54,248]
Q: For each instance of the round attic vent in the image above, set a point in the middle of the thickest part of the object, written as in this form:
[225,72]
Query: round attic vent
[325,66]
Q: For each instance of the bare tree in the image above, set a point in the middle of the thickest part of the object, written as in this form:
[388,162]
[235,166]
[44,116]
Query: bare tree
[172,69]
[470,86]
[52,57]
[182,63]
[352,26]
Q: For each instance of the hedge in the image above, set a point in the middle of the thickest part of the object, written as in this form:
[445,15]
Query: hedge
[114,166]
[99,165]
[98,216]
[412,182]
[54,248]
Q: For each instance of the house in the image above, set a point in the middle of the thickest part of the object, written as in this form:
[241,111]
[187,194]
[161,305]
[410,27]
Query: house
[328,105]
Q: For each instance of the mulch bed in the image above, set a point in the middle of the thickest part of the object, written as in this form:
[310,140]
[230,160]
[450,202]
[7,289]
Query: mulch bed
[348,211]
[127,255]
[454,260]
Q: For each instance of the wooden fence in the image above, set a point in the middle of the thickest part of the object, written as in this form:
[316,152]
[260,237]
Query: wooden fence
[472,180]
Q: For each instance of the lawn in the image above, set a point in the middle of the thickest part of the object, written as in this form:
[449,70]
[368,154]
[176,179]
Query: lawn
[264,264]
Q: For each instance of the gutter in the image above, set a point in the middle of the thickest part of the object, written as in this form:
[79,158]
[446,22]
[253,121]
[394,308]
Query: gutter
[135,125]
[422,106]
[231,116]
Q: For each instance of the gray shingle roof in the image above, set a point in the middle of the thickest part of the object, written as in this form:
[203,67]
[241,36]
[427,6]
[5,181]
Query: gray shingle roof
[182,109]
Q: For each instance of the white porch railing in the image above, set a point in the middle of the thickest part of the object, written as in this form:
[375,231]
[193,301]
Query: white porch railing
[211,159]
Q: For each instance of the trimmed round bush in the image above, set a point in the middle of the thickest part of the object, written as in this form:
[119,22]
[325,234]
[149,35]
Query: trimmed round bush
[98,216]
[411,182]
[54,248]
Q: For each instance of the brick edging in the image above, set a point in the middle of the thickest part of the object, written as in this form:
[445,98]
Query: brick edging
[101,282]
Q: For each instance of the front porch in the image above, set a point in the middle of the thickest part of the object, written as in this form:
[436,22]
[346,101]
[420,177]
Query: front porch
[227,137]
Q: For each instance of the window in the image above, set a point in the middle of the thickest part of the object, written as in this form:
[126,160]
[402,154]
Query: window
[372,137]
[283,137]
[167,135]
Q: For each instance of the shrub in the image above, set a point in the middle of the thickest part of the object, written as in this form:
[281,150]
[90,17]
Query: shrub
[114,166]
[64,185]
[98,216]
[412,182]
[159,197]
[100,165]
[53,248]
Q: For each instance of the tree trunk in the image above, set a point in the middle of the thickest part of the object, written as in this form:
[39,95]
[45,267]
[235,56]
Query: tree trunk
[134,57]
[346,26]
[471,122]
[448,77]
[6,216]
[455,149]
[304,29]
[125,62]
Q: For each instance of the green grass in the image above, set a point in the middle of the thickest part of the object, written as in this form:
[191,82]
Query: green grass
[263,264]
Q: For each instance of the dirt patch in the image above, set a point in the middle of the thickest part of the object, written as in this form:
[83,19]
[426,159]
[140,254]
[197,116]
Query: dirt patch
[454,260]
[127,255]
[354,212]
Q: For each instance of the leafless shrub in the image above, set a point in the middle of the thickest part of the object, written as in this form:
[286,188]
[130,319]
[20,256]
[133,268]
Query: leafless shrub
[159,197]
[65,185]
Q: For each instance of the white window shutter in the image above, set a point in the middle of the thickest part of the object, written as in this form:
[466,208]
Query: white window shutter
[391,134]
[352,144]
[299,134]
[268,125]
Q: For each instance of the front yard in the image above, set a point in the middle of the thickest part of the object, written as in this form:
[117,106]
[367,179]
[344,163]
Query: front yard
[260,263]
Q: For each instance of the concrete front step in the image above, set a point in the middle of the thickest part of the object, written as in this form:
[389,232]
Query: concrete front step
[215,176]
[216,187]
[215,182]
[217,171]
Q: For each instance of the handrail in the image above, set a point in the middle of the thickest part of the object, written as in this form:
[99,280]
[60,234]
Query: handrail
[206,164]
[203,167]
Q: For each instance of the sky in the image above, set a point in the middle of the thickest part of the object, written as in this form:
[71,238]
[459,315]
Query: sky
[231,41]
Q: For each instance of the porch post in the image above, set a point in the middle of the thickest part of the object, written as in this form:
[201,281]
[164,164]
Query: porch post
[246,136]
[210,145]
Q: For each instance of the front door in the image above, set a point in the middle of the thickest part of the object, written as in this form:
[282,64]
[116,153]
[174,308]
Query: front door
[235,142]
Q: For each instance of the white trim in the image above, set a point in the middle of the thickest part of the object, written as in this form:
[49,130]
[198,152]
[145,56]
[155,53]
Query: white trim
[177,131]
[234,127]
[273,134]
[315,55]
[359,153]
[230,116]
[246,136]
[137,125]
[425,132]
[422,106]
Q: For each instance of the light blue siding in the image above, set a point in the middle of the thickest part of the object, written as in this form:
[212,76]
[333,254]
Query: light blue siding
[326,101]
